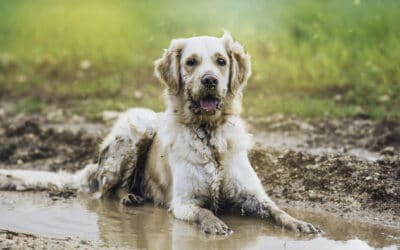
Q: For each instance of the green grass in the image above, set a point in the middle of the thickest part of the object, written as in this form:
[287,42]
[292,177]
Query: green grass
[310,58]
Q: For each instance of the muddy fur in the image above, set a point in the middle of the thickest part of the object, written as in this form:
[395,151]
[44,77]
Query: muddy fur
[9,183]
[121,168]
[122,157]
[252,206]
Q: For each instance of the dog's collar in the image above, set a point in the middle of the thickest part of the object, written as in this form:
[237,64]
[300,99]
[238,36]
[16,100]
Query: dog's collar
[201,132]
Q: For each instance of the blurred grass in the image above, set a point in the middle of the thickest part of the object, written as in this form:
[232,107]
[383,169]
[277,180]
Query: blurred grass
[310,58]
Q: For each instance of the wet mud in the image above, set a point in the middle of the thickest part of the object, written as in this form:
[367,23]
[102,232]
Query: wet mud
[345,168]
[82,222]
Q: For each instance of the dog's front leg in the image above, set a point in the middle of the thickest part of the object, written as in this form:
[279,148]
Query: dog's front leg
[266,209]
[252,199]
[204,218]
[190,184]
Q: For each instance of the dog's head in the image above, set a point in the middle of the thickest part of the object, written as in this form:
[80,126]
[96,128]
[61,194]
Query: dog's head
[204,76]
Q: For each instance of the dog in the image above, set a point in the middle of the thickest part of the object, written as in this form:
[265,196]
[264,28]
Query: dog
[193,157]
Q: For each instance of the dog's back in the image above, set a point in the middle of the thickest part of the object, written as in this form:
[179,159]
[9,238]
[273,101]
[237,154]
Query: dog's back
[120,154]
[124,149]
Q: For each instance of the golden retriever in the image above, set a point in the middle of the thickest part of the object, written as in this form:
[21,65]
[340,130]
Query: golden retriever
[193,157]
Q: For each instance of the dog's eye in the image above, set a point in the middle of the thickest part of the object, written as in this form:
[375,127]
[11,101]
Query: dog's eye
[191,62]
[221,62]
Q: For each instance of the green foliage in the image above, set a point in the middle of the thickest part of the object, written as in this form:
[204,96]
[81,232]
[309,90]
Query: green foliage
[310,57]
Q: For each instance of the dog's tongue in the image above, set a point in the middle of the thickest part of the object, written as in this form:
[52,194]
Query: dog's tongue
[209,103]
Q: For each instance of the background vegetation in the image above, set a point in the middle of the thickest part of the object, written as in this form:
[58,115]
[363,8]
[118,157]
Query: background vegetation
[310,57]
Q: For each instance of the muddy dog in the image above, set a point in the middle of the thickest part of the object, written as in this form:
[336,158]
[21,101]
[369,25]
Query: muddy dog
[193,157]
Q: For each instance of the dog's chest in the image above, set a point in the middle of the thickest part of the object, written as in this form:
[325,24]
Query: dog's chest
[206,148]
[209,185]
[206,154]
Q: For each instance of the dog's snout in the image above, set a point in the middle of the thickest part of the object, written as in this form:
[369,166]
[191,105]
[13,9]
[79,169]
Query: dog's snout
[209,81]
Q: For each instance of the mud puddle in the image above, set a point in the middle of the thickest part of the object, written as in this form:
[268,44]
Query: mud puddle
[110,225]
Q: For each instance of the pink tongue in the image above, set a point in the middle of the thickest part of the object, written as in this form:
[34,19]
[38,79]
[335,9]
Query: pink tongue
[208,104]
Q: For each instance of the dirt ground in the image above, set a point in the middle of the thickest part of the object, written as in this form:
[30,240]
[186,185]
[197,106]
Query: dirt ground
[14,240]
[348,166]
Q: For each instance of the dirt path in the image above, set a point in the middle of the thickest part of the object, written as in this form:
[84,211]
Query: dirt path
[349,167]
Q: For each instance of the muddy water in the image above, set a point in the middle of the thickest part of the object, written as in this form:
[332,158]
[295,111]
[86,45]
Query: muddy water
[154,228]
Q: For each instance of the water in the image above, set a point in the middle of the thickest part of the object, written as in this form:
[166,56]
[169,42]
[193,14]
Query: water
[154,228]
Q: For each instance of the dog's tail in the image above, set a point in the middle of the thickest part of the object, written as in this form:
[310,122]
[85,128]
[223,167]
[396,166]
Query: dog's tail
[23,180]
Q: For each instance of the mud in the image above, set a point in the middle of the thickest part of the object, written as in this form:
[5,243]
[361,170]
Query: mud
[347,168]
[85,223]
[342,135]
[36,142]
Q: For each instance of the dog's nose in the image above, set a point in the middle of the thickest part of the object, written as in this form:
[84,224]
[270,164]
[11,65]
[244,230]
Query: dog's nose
[209,81]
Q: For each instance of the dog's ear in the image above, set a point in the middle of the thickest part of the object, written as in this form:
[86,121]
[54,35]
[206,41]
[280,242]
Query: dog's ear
[167,68]
[240,65]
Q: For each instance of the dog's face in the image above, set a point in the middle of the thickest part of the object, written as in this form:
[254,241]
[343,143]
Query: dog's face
[204,70]
[204,75]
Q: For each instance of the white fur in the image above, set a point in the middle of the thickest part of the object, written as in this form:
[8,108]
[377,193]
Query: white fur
[205,48]
[133,123]
[194,169]
[44,180]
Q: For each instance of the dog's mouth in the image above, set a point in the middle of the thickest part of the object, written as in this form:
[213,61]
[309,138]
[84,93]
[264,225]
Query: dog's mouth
[209,103]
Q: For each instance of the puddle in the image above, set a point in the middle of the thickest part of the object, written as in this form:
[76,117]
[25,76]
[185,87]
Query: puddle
[154,228]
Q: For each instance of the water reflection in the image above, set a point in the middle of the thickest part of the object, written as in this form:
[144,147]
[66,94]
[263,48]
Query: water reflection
[155,228]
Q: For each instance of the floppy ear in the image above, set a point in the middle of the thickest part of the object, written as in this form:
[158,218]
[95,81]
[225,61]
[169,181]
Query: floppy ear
[240,65]
[167,68]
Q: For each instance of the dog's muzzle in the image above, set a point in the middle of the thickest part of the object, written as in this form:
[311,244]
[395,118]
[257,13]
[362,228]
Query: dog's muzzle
[209,81]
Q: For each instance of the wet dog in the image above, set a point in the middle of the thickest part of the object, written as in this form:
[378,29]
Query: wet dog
[192,158]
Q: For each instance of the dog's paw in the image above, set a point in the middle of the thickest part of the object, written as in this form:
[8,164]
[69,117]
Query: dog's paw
[132,200]
[296,225]
[213,225]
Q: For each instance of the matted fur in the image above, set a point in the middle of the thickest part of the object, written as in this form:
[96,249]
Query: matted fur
[197,164]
